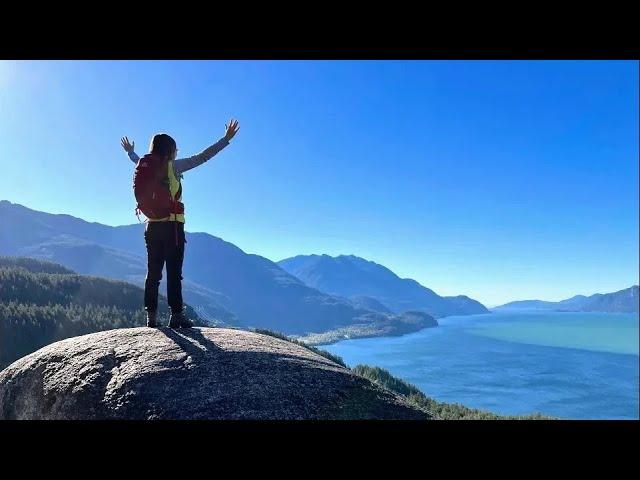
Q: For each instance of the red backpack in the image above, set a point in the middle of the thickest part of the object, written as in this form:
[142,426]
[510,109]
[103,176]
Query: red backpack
[153,197]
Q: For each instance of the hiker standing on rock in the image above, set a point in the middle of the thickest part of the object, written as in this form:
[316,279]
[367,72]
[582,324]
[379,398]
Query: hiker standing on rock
[158,192]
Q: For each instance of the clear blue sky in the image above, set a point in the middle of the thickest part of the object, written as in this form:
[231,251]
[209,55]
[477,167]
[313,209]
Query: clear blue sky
[499,180]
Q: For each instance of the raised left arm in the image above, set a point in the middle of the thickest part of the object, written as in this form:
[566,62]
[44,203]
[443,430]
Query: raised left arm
[183,164]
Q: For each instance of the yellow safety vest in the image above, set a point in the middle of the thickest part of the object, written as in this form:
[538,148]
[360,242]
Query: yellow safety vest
[174,188]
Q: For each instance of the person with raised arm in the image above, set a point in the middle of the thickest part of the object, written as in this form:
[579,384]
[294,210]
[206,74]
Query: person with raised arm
[158,191]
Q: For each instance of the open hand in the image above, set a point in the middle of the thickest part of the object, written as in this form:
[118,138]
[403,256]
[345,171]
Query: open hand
[128,147]
[231,129]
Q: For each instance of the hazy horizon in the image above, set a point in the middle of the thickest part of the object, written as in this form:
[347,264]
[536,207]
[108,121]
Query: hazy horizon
[500,180]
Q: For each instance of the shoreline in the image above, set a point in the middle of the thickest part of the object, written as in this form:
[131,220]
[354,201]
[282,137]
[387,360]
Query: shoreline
[336,336]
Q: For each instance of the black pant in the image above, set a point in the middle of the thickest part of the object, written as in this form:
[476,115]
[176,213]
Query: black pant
[165,243]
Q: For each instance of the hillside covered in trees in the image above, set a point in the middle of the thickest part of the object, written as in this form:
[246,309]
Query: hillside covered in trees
[43,302]
[439,410]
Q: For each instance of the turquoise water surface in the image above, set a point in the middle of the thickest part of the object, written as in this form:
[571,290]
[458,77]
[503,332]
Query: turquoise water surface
[570,365]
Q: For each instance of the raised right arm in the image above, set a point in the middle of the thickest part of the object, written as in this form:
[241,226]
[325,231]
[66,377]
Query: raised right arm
[133,156]
[128,147]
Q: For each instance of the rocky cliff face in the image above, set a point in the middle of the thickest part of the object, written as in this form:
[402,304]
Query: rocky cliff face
[199,373]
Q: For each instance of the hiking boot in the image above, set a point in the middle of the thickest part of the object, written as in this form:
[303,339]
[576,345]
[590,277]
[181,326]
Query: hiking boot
[152,320]
[178,320]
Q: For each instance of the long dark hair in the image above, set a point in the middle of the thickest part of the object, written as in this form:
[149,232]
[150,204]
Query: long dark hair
[163,145]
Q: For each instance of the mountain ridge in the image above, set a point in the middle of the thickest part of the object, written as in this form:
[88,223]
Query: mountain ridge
[225,285]
[350,275]
[621,301]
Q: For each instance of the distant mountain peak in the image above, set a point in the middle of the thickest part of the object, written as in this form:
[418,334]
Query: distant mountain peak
[353,276]
[625,300]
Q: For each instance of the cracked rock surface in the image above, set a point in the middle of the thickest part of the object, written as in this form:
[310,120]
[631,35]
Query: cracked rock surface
[198,373]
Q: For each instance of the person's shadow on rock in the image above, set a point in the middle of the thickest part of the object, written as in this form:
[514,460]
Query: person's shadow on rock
[191,340]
